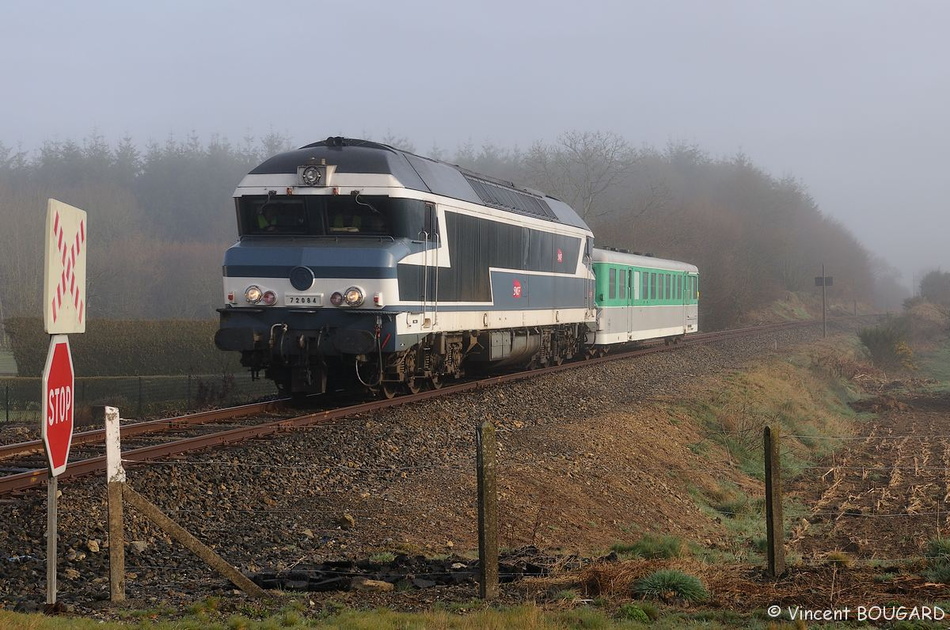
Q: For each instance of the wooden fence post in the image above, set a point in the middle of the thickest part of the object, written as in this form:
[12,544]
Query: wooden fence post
[115,478]
[775,530]
[119,492]
[486,456]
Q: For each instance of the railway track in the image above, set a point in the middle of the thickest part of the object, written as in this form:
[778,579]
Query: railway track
[25,467]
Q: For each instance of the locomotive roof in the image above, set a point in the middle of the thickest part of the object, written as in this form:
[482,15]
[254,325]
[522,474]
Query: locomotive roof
[416,172]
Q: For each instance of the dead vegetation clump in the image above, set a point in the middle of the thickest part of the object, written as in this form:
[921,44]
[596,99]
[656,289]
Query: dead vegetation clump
[878,404]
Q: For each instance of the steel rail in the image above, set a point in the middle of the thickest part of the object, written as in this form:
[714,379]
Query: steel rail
[25,480]
[96,436]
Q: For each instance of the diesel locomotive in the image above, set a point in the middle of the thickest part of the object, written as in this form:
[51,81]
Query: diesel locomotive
[360,265]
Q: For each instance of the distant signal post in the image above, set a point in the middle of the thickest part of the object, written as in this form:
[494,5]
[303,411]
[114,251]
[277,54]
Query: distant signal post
[823,281]
[64,312]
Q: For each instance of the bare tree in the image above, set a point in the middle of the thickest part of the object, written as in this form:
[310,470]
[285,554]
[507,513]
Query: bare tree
[581,167]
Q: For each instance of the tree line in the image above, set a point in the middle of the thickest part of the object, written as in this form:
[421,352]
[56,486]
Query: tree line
[161,218]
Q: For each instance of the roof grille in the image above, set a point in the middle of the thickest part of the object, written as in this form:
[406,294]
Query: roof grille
[509,198]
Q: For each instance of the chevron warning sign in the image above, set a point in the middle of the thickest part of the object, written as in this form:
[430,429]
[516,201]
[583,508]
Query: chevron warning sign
[64,275]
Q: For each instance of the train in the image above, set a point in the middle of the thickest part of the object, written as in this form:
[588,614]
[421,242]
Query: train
[360,266]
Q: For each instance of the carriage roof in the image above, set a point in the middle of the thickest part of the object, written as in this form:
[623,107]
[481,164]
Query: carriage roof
[620,257]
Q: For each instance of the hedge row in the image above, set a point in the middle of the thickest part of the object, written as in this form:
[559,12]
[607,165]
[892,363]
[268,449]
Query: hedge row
[125,347]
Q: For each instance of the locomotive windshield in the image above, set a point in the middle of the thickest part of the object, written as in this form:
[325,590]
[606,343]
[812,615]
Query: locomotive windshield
[333,215]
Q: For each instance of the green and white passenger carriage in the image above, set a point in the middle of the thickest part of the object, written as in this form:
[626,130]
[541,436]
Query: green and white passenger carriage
[642,297]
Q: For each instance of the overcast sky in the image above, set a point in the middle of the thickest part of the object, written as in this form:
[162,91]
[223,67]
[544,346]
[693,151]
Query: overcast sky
[850,97]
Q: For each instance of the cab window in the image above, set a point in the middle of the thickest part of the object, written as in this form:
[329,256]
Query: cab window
[335,215]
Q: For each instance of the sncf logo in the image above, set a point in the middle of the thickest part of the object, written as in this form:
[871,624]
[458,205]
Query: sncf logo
[516,288]
[560,256]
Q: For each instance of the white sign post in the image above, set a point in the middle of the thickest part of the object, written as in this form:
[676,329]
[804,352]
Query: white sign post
[64,311]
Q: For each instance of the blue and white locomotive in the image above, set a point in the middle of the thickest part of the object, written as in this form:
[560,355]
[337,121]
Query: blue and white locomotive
[359,265]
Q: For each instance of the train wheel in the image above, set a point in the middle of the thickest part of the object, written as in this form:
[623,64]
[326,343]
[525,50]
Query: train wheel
[414,386]
[436,381]
[389,390]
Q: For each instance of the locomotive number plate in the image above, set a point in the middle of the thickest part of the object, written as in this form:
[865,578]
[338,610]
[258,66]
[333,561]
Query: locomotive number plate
[303,300]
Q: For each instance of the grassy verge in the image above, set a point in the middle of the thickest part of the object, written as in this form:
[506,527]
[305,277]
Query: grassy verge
[806,395]
[935,364]
[629,616]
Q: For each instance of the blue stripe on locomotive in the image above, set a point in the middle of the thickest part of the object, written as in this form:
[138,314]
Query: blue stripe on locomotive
[513,291]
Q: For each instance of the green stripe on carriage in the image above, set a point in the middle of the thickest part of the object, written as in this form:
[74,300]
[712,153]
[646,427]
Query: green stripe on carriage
[623,285]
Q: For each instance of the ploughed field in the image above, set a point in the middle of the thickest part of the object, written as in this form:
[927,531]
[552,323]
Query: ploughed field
[886,492]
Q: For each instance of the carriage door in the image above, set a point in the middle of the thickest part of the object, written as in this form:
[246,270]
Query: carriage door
[683,287]
[634,293]
[430,268]
[626,277]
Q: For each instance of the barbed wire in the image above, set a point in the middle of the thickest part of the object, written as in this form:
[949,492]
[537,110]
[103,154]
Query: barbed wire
[353,510]
[899,436]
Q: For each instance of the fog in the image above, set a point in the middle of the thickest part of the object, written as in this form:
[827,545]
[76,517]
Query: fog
[849,97]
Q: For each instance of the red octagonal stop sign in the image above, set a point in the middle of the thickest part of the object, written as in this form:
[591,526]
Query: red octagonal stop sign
[58,405]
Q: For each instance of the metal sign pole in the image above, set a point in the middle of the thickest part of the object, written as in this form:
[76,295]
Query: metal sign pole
[51,540]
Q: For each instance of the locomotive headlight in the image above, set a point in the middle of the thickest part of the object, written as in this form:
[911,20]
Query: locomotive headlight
[269,298]
[353,297]
[253,294]
[311,175]
[336,299]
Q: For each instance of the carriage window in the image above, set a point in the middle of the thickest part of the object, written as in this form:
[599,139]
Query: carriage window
[612,281]
[623,284]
